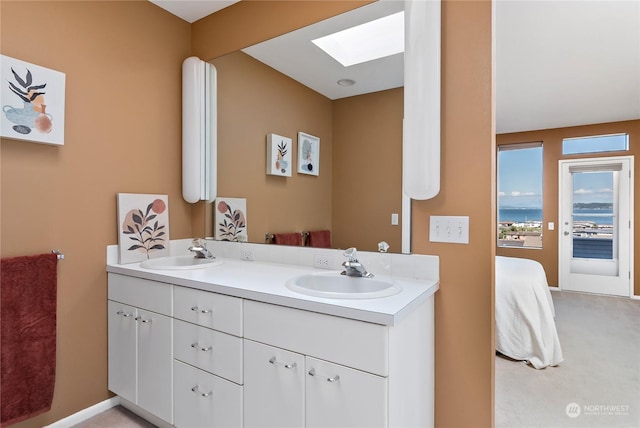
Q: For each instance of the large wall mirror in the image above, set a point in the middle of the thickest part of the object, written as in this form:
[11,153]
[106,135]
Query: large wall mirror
[289,85]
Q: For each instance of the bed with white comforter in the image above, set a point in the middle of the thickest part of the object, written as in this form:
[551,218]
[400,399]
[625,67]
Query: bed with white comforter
[525,326]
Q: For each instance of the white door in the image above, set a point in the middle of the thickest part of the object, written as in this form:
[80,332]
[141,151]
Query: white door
[341,397]
[122,350]
[596,230]
[273,387]
[155,363]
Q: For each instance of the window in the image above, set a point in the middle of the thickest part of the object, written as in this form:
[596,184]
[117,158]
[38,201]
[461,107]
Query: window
[595,144]
[520,195]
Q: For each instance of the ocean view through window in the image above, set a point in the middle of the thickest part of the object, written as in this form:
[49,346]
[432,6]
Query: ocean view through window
[520,195]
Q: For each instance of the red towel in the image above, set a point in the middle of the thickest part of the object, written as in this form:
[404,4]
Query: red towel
[320,239]
[28,336]
[287,239]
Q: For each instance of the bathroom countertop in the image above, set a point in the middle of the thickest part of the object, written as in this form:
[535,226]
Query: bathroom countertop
[265,282]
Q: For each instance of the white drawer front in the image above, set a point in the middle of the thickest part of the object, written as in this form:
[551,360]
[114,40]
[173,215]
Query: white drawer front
[142,293]
[202,400]
[352,343]
[217,311]
[215,352]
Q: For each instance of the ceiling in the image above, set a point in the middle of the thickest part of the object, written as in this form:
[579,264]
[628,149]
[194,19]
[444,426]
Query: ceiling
[558,63]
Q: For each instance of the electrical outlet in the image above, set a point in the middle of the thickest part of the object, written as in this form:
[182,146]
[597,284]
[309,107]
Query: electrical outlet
[321,262]
[246,254]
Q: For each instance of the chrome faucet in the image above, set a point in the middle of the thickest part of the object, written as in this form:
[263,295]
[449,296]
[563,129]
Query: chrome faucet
[199,247]
[352,266]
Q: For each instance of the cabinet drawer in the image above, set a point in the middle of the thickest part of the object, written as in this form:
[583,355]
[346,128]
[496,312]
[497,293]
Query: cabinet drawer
[209,350]
[142,293]
[337,396]
[344,341]
[217,311]
[204,400]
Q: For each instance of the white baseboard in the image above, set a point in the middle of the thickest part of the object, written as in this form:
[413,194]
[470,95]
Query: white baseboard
[85,414]
[635,297]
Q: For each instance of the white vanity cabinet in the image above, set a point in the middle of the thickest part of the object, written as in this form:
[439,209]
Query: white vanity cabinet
[315,370]
[140,341]
[194,358]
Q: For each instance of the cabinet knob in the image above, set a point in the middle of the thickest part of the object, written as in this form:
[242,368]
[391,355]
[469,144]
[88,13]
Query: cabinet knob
[202,311]
[273,360]
[200,393]
[197,346]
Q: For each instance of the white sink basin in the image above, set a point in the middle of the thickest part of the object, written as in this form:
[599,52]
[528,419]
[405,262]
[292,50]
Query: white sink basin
[335,286]
[179,263]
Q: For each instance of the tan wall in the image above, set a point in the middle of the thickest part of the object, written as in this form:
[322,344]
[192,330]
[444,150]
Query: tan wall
[552,153]
[122,62]
[255,100]
[464,304]
[367,170]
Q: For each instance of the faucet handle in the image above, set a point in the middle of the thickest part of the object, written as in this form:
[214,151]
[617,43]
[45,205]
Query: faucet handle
[351,254]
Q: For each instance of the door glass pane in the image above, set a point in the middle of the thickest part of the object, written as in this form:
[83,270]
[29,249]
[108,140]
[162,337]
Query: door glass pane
[593,215]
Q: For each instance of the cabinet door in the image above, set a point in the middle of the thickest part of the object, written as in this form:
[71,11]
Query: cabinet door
[155,375]
[203,400]
[273,387]
[122,350]
[337,396]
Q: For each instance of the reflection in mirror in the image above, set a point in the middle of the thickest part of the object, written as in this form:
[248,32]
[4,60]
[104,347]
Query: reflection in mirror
[358,188]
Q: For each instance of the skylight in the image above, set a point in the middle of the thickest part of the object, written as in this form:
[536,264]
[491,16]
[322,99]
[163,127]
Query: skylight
[372,40]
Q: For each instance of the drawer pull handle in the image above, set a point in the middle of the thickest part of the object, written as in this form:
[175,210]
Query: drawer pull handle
[124,314]
[336,378]
[202,394]
[273,360]
[195,345]
[202,311]
[143,320]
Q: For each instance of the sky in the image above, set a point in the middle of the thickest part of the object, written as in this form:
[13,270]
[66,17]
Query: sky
[520,174]
[520,178]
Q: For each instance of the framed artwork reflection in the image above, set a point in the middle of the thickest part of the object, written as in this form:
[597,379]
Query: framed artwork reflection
[308,154]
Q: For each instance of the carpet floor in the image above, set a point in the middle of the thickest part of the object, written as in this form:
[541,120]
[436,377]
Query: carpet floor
[597,384]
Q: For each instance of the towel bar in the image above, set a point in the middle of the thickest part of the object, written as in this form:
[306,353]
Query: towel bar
[58,253]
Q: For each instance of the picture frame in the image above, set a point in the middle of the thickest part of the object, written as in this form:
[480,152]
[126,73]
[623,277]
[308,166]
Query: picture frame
[231,219]
[143,227]
[33,99]
[279,150]
[308,154]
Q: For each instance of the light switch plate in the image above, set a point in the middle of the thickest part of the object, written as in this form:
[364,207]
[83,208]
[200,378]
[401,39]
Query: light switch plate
[451,229]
